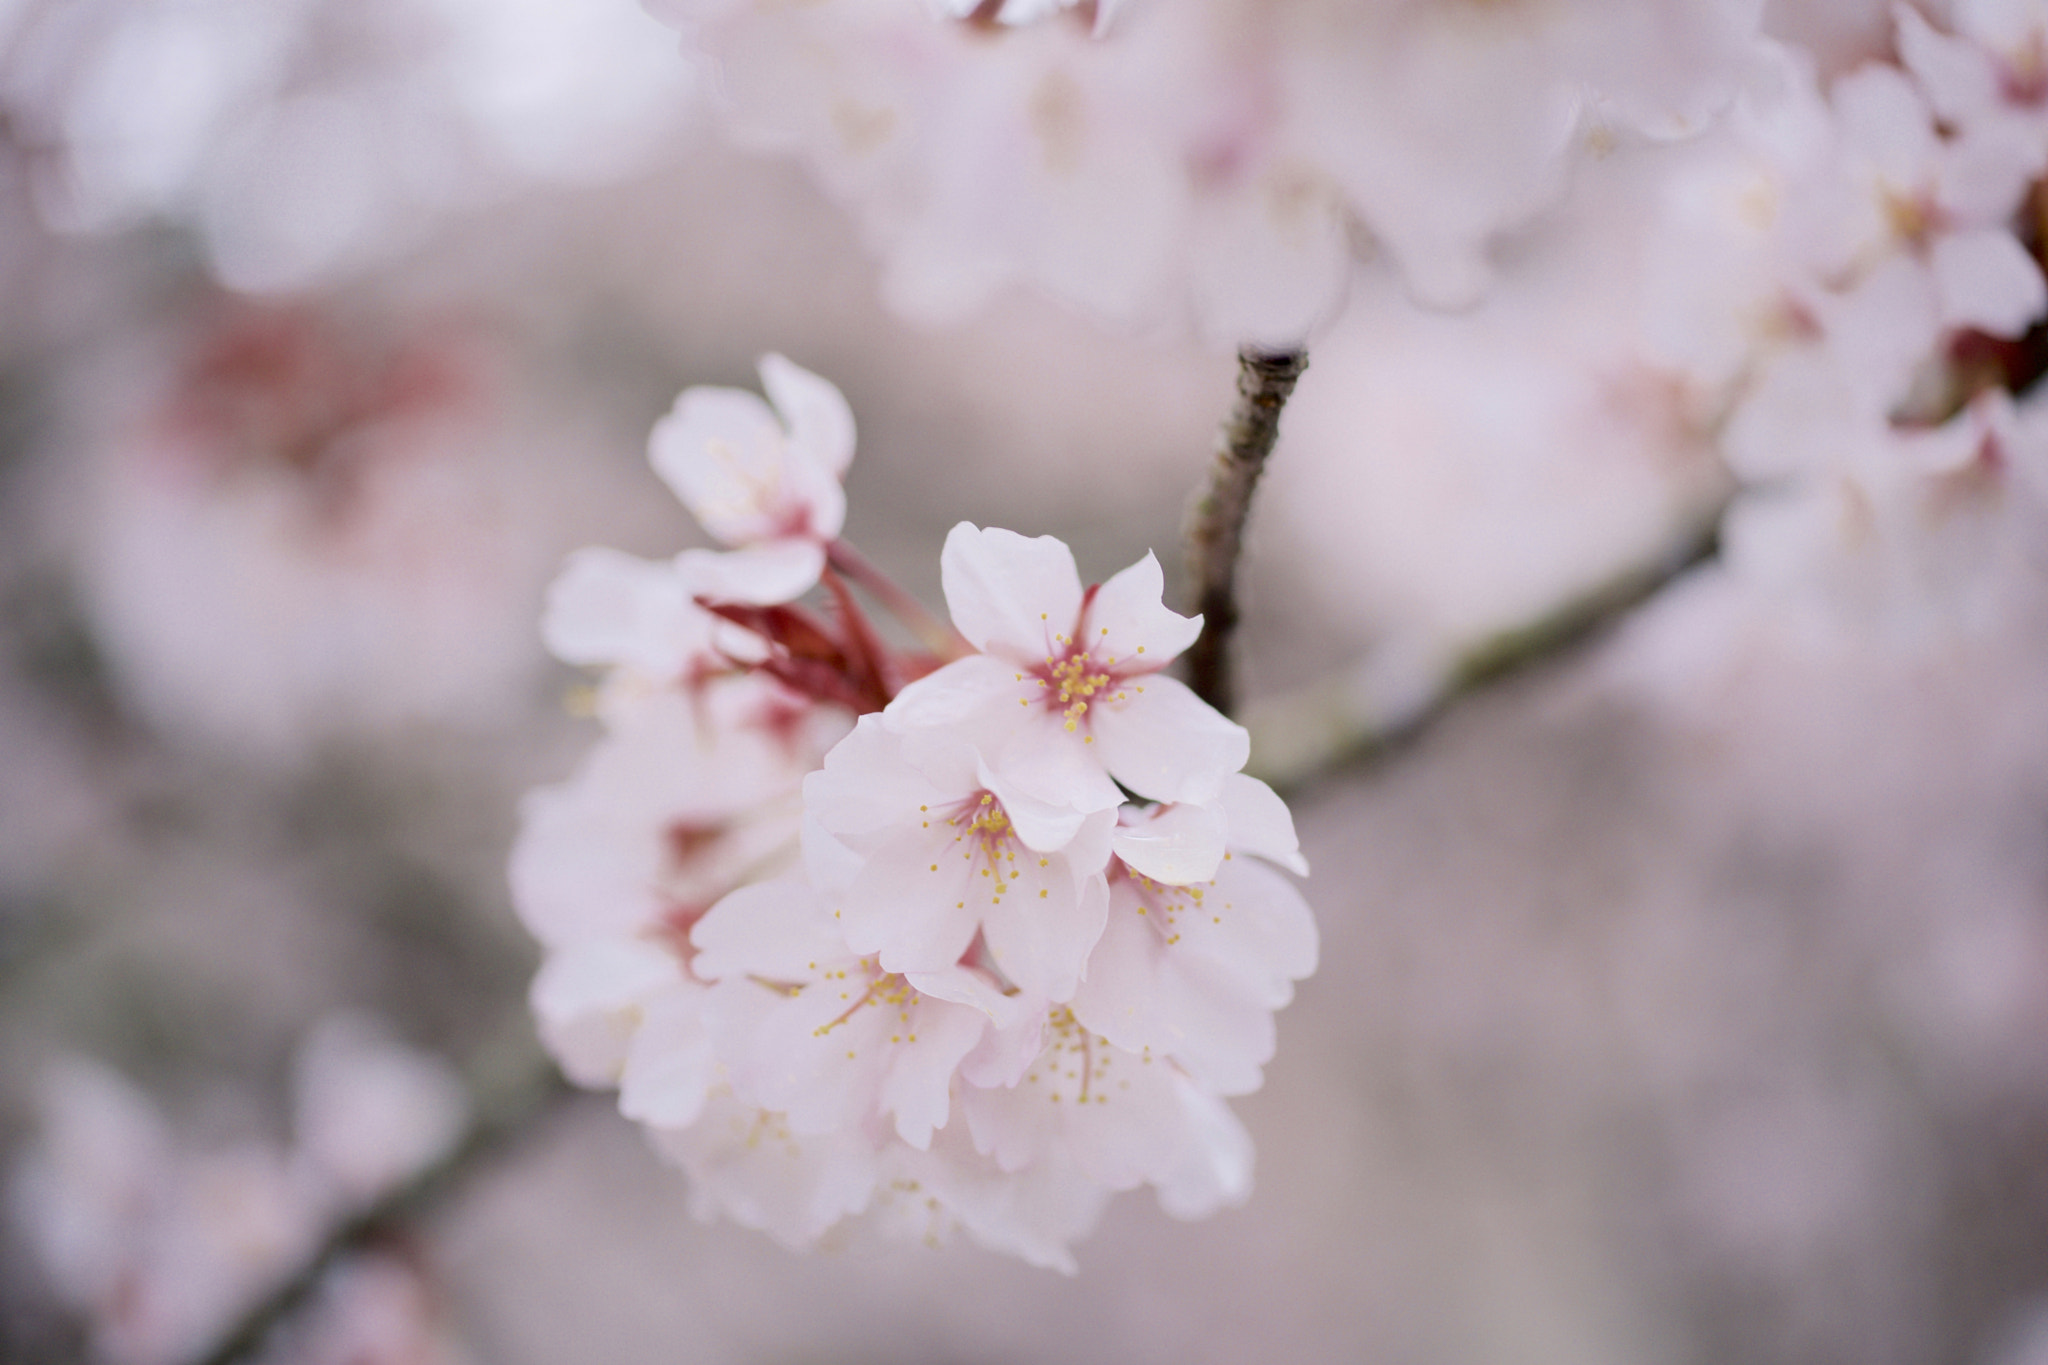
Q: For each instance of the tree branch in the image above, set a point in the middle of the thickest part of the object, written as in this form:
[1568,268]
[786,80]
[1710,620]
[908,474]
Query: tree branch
[1360,716]
[1216,523]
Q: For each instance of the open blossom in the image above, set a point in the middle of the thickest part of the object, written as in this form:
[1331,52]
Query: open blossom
[1191,966]
[763,481]
[829,1037]
[937,858]
[1223,163]
[857,980]
[1068,697]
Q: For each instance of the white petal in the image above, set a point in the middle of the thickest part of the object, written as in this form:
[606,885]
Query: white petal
[1988,281]
[612,608]
[1041,927]
[584,998]
[721,451]
[1175,844]
[916,902]
[766,573]
[1127,621]
[1213,1168]
[1009,594]
[820,422]
[669,1069]
[1043,827]
[1260,823]
[919,1084]
[777,929]
[1166,743]
[865,787]
[1956,73]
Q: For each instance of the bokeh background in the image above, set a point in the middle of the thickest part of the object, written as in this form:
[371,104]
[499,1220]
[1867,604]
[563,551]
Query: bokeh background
[1683,994]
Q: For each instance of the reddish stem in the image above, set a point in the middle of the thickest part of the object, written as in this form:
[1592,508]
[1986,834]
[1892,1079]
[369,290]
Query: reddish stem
[938,636]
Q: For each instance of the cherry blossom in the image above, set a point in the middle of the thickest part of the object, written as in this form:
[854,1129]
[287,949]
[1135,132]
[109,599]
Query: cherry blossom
[830,1038]
[1192,967]
[941,859]
[1068,698]
[765,481]
[1220,163]
[845,975]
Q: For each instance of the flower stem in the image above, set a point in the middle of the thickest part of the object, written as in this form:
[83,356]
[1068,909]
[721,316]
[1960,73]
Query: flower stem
[937,636]
[1216,523]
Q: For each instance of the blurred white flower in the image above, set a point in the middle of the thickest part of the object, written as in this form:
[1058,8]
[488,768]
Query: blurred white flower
[1219,163]
[307,139]
[159,1245]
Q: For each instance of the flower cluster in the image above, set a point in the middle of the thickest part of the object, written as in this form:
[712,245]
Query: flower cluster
[1851,280]
[160,1243]
[1222,162]
[883,939]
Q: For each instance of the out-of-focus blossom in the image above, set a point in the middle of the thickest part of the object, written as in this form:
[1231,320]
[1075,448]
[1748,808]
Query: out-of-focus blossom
[766,483]
[310,535]
[159,1245]
[305,139]
[1220,163]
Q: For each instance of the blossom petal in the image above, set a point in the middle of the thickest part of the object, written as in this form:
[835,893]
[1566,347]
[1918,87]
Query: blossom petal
[774,929]
[1261,824]
[820,421]
[1127,620]
[721,451]
[1168,744]
[1213,1167]
[613,608]
[912,905]
[766,573]
[1988,281]
[584,998]
[1041,928]
[1175,844]
[669,1069]
[1010,594]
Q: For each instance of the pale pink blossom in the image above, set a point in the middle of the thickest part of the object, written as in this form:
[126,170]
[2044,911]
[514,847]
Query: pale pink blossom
[1068,698]
[1125,1118]
[1192,967]
[745,1163]
[939,858]
[764,481]
[1220,163]
[808,1027]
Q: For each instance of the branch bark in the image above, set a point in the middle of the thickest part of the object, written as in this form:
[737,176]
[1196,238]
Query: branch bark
[1216,523]
[1346,720]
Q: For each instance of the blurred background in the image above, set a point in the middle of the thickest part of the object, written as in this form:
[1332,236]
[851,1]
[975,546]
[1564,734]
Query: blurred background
[1682,997]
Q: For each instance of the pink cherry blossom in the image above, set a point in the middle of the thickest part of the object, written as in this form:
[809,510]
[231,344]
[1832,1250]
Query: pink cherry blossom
[762,480]
[1068,698]
[941,859]
[1193,969]
[828,1037]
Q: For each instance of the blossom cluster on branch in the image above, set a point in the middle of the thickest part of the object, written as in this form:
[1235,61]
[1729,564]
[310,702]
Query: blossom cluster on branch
[1221,163]
[877,939]
[1851,279]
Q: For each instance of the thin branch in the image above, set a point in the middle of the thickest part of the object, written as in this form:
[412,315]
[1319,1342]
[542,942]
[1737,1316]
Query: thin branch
[510,1093]
[1360,717]
[1216,524]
